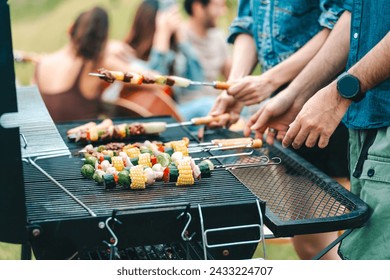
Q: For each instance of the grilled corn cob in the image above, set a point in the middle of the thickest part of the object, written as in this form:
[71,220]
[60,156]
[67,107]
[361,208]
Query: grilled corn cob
[180,146]
[132,152]
[185,173]
[138,178]
[117,162]
[144,159]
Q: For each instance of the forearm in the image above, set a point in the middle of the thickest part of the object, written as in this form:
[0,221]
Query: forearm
[329,61]
[374,67]
[244,57]
[287,70]
[161,40]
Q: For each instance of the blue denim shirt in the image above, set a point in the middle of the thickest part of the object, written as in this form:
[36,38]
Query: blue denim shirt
[370,23]
[281,27]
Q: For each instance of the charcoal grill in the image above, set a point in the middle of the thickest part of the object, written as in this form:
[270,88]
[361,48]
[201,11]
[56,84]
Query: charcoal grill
[65,224]
[46,203]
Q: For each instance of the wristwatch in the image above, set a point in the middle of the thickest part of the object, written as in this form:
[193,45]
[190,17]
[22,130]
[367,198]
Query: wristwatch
[348,87]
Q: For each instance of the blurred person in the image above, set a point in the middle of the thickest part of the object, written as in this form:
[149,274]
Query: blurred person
[62,77]
[171,46]
[209,44]
[159,44]
[282,36]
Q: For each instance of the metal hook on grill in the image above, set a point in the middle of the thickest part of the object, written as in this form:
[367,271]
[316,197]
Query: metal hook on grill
[112,246]
[184,233]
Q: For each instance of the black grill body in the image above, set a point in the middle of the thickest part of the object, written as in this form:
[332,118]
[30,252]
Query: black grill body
[60,227]
[12,205]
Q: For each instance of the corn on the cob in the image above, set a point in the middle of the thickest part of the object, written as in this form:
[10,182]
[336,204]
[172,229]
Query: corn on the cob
[132,152]
[180,146]
[144,159]
[117,162]
[185,173]
[138,178]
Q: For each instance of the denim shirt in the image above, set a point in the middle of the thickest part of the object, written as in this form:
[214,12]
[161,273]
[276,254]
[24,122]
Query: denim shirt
[369,24]
[281,27]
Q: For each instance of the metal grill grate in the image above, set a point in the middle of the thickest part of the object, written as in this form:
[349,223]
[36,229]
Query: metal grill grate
[45,201]
[299,198]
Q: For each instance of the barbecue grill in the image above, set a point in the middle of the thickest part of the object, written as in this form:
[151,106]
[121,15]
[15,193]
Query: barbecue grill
[47,204]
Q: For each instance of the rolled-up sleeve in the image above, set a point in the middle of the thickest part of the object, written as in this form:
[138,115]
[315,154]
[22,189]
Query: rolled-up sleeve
[332,10]
[242,23]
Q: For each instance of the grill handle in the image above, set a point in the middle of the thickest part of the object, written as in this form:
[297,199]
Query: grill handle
[204,232]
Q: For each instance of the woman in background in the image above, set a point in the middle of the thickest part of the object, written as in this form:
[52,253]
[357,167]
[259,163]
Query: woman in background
[62,77]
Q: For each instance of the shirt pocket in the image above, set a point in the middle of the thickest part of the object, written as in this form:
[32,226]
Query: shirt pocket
[295,22]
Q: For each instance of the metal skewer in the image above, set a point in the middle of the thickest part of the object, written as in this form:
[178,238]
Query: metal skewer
[97,75]
[266,162]
[225,156]
[198,121]
[218,148]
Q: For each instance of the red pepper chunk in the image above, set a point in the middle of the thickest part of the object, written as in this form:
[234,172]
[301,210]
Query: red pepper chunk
[166,175]
[161,149]
[153,159]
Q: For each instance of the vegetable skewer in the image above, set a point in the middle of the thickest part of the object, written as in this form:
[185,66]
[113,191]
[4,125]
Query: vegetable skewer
[138,79]
[106,130]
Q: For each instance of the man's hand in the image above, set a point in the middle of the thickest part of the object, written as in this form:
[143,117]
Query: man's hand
[226,104]
[252,90]
[318,119]
[277,114]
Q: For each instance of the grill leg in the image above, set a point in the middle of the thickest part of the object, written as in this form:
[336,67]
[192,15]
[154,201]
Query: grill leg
[331,245]
[26,252]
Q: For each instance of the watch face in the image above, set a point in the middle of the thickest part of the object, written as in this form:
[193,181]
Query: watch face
[348,86]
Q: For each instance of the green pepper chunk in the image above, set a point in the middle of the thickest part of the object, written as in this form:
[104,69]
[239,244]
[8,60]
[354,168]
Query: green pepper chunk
[124,178]
[169,150]
[87,171]
[90,160]
[173,173]
[109,181]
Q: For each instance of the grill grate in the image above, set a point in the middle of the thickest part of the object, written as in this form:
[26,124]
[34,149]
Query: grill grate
[45,201]
[299,198]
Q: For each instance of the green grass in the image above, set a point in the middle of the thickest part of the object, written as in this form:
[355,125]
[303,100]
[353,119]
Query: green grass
[9,251]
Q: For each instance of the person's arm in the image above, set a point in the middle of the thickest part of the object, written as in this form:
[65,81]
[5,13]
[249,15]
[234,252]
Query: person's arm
[374,67]
[323,112]
[254,89]
[244,61]
[282,109]
[244,56]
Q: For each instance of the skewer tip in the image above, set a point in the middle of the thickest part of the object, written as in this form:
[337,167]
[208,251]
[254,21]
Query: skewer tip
[96,75]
